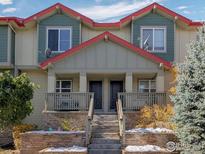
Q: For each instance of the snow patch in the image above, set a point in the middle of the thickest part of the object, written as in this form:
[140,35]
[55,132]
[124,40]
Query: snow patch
[145,148]
[150,130]
[67,149]
[56,132]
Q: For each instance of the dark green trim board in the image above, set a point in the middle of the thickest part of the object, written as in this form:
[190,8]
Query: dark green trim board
[12,47]
[152,19]
[56,20]
[3,44]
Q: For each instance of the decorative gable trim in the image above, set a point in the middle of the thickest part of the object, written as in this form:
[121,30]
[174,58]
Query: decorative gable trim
[107,36]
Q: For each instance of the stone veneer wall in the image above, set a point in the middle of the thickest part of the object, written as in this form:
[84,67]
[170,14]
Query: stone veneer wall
[33,142]
[158,139]
[53,119]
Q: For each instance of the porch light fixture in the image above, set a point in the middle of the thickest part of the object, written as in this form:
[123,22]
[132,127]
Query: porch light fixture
[78,18]
[161,65]
[57,7]
[50,65]
[106,38]
[35,18]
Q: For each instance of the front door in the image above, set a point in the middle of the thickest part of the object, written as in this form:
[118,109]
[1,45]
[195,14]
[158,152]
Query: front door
[115,88]
[96,88]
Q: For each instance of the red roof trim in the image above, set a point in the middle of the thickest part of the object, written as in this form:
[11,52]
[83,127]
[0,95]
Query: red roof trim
[20,22]
[111,37]
[162,8]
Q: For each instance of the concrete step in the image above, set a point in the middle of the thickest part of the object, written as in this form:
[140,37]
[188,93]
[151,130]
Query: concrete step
[104,151]
[104,141]
[116,127]
[105,117]
[105,113]
[105,123]
[106,135]
[104,146]
[105,130]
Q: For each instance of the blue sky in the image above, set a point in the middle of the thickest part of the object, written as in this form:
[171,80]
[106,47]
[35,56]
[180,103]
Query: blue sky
[102,10]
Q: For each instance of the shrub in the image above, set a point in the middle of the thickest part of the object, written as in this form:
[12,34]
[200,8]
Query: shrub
[156,116]
[18,129]
[15,99]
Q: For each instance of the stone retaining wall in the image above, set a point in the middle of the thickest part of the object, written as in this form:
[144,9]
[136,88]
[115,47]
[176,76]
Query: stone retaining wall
[53,119]
[6,137]
[62,152]
[158,139]
[125,152]
[33,142]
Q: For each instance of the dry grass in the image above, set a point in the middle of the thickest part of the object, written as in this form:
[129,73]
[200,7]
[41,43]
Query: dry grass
[156,116]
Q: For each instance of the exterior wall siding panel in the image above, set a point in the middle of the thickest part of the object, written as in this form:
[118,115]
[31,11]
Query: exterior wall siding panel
[57,20]
[3,44]
[156,20]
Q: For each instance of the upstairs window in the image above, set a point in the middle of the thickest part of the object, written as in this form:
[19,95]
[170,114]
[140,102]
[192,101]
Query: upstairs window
[63,86]
[153,39]
[59,39]
[147,86]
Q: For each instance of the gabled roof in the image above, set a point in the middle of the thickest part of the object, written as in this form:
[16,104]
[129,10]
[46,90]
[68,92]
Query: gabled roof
[163,9]
[22,22]
[107,36]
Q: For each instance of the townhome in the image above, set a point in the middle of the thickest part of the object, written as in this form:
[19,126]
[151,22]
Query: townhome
[74,58]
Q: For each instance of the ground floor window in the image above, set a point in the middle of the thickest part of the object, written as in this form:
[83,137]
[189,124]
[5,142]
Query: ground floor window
[147,86]
[63,86]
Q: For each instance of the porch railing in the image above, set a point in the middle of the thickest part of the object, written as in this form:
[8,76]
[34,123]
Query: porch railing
[121,120]
[136,100]
[74,101]
[89,122]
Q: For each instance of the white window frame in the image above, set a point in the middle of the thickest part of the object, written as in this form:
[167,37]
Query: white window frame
[60,88]
[153,28]
[149,84]
[58,28]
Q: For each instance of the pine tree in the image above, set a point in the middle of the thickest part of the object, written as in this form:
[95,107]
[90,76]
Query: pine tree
[189,99]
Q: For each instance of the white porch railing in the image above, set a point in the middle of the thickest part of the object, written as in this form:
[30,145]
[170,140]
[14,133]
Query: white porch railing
[121,120]
[74,101]
[136,100]
[89,122]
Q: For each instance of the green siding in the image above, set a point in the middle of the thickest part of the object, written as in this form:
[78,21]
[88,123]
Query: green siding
[57,20]
[3,44]
[156,20]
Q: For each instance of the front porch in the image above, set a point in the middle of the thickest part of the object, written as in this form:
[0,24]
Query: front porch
[73,92]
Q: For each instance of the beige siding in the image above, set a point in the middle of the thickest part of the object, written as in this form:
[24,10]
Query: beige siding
[26,47]
[183,38]
[40,78]
[88,33]
[105,57]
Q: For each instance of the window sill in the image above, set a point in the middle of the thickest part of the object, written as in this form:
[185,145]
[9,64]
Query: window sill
[158,51]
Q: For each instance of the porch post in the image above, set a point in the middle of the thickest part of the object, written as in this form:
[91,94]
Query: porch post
[83,89]
[160,81]
[128,82]
[83,82]
[51,82]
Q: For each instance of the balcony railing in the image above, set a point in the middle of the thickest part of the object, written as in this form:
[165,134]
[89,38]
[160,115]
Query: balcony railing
[74,101]
[137,100]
